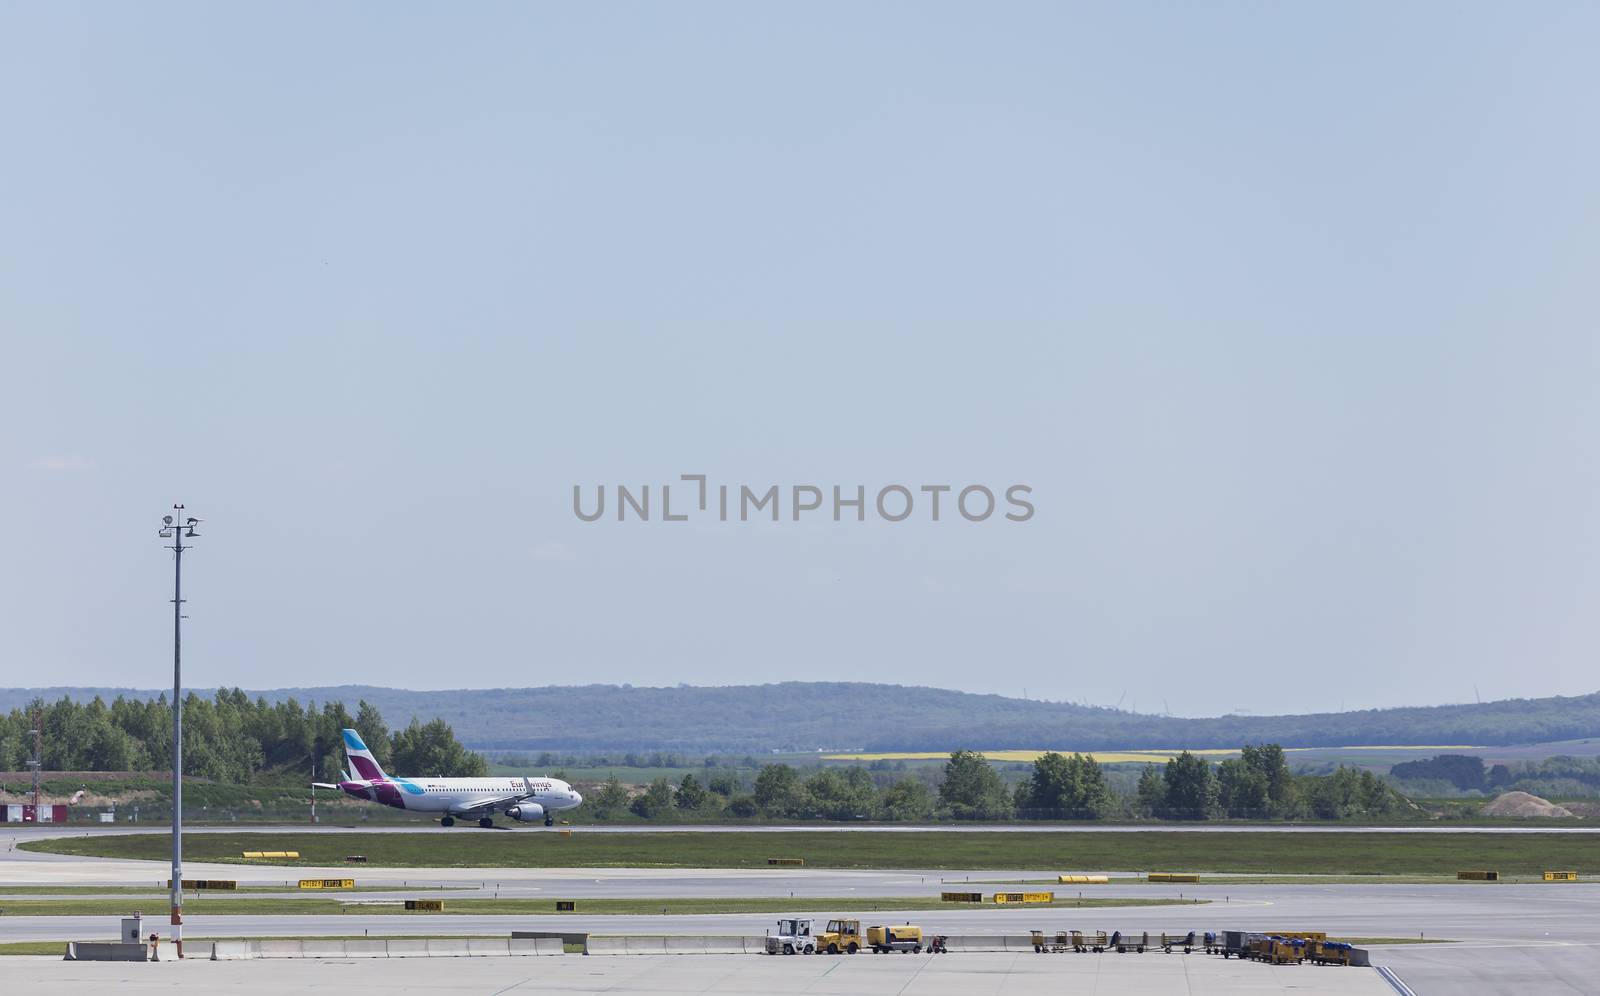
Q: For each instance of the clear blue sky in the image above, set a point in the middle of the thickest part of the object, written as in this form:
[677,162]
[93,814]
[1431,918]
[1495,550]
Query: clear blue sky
[1287,313]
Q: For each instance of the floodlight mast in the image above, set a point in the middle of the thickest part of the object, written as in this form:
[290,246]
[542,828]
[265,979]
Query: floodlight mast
[177,532]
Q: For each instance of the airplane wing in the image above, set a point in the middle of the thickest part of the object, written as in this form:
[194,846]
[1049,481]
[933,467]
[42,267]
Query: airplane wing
[486,805]
[490,804]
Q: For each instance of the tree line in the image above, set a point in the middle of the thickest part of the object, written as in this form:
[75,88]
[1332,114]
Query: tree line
[1455,774]
[1256,785]
[228,737]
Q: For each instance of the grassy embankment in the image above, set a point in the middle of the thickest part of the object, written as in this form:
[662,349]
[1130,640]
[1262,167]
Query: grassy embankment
[1237,853]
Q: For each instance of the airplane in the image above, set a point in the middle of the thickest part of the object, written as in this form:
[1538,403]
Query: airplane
[527,800]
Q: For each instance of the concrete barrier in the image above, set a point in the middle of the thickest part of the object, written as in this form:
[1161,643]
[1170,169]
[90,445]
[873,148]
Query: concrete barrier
[607,945]
[164,952]
[980,942]
[576,937]
[321,949]
[366,949]
[407,949]
[233,951]
[106,951]
[278,949]
[441,948]
[483,947]
[1018,942]
[669,944]
[529,947]
[431,948]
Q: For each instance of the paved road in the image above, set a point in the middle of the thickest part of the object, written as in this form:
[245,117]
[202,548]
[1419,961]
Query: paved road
[866,975]
[1504,969]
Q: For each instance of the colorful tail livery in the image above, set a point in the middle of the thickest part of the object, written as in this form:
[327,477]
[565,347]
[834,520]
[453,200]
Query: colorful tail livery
[362,764]
[527,800]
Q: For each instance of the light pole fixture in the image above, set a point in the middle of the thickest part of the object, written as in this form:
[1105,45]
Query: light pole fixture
[177,527]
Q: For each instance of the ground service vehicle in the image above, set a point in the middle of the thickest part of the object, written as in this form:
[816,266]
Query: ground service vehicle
[793,937]
[1276,950]
[905,938]
[1330,953]
[841,935]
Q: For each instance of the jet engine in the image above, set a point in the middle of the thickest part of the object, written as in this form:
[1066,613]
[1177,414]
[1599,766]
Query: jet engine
[527,812]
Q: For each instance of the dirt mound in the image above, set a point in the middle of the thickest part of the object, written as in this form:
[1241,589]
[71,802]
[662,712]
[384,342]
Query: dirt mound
[1523,804]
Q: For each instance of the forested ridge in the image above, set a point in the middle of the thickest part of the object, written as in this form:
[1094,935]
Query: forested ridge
[807,716]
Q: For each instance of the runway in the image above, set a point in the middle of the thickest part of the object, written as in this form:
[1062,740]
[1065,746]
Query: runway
[1521,939]
[1527,915]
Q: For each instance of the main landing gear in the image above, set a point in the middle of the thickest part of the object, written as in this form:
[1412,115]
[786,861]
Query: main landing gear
[486,822]
[549,821]
[447,821]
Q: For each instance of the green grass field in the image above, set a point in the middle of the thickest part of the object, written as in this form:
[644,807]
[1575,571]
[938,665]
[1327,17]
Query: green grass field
[53,948]
[513,907]
[1235,879]
[159,891]
[1237,853]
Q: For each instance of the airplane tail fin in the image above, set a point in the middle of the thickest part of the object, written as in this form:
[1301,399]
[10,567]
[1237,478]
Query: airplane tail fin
[362,763]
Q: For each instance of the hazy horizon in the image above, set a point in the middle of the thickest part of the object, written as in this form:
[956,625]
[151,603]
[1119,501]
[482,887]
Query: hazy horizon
[1285,316]
[10,694]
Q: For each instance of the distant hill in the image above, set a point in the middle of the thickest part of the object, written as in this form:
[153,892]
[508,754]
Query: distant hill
[811,715]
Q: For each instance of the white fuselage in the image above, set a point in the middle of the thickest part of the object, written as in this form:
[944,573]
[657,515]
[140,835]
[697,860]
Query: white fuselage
[466,796]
